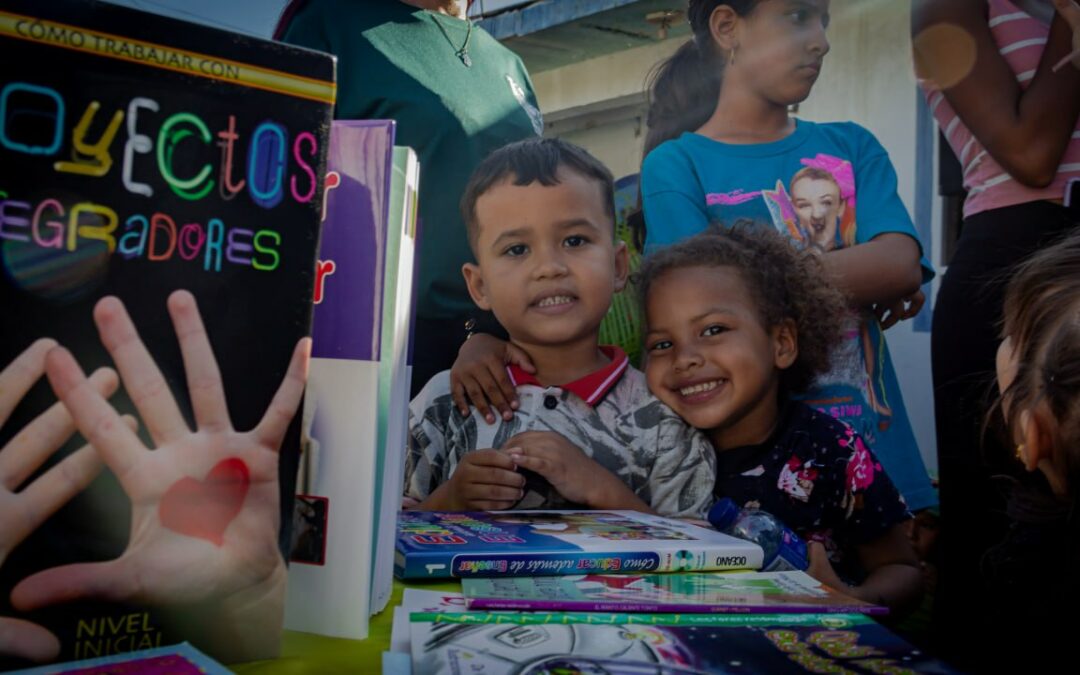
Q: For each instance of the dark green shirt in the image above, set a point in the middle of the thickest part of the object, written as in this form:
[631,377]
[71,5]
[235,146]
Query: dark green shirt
[399,62]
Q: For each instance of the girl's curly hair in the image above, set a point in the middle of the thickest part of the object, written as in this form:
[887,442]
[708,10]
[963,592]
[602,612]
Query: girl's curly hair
[785,282]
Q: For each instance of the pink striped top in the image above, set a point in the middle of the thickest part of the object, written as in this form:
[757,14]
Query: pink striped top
[1020,39]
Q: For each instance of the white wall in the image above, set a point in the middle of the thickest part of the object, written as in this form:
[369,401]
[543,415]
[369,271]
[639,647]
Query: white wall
[867,78]
[608,78]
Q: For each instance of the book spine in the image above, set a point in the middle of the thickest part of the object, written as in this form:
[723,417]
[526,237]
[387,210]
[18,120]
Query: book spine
[567,605]
[560,563]
[724,559]
[423,565]
[435,565]
[774,619]
[663,608]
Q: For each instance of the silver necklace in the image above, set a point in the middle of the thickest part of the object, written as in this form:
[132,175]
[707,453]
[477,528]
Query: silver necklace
[462,53]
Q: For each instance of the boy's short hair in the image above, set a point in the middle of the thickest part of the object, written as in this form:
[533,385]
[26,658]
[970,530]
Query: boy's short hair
[529,161]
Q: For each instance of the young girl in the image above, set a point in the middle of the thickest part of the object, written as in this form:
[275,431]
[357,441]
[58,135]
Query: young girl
[1009,107]
[1031,579]
[722,146]
[738,322]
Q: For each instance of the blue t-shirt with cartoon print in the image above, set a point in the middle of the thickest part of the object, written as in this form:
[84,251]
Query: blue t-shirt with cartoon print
[831,185]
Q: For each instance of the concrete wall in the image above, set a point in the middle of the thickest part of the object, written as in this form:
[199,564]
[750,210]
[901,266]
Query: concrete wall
[611,78]
[867,78]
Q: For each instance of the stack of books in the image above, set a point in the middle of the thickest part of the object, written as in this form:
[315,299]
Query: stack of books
[616,591]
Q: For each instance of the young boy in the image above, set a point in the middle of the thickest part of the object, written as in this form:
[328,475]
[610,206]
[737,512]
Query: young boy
[587,432]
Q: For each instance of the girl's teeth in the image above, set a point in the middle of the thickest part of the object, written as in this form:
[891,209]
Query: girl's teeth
[699,388]
[557,300]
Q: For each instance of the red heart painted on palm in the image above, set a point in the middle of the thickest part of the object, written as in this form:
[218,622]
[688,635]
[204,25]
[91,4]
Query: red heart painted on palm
[205,508]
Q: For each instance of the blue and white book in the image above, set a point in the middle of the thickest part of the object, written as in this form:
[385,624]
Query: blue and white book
[434,545]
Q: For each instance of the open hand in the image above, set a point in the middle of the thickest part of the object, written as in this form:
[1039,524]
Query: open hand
[205,513]
[23,512]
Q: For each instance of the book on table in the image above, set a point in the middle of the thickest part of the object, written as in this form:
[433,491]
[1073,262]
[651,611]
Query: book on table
[513,643]
[688,592]
[435,545]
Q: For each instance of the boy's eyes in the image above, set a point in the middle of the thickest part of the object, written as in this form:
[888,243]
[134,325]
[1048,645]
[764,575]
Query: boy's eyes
[573,241]
[714,329]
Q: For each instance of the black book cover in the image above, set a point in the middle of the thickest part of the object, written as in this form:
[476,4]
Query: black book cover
[140,155]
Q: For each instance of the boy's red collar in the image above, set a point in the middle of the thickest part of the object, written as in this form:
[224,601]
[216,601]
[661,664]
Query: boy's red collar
[591,388]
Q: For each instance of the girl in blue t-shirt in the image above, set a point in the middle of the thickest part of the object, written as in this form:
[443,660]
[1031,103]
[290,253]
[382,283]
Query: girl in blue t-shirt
[722,146]
[737,322]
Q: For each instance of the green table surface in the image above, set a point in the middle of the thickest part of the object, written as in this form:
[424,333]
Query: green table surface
[308,653]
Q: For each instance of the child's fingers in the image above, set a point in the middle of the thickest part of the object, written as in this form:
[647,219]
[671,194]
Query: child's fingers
[205,387]
[475,391]
[21,374]
[142,378]
[27,640]
[517,355]
[96,419]
[535,462]
[500,390]
[494,476]
[35,442]
[538,445]
[58,485]
[473,473]
[112,580]
[914,304]
[488,457]
[888,315]
[495,493]
[527,440]
[457,391]
[275,422]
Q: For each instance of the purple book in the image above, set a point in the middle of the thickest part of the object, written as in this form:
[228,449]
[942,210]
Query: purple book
[181,659]
[336,517]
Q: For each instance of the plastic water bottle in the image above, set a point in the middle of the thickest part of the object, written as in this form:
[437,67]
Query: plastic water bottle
[784,550]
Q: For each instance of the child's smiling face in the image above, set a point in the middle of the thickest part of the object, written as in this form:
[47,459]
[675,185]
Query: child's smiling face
[709,356]
[547,263]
